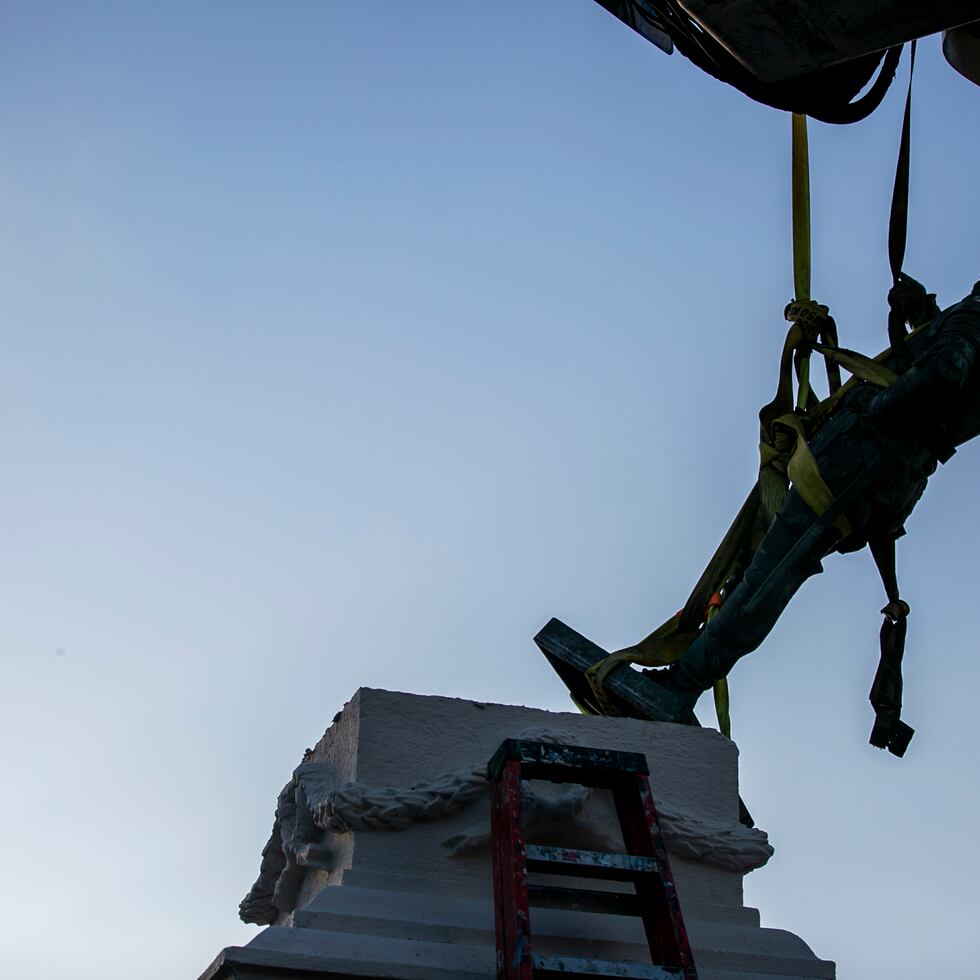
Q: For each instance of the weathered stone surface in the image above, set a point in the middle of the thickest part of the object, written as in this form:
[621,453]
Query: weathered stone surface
[379,865]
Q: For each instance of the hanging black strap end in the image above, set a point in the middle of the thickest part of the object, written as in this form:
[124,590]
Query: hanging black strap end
[901,736]
[890,732]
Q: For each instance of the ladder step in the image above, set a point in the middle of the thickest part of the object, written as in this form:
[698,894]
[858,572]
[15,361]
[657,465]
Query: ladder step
[589,864]
[583,900]
[548,967]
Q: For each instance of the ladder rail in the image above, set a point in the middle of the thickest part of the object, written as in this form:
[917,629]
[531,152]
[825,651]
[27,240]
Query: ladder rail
[511,901]
[660,909]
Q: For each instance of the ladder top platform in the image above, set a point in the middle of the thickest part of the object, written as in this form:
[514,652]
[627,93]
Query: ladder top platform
[567,763]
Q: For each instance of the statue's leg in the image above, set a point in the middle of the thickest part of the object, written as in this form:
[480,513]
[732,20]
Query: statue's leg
[751,611]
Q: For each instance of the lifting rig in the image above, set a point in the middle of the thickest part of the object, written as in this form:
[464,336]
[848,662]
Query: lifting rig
[832,60]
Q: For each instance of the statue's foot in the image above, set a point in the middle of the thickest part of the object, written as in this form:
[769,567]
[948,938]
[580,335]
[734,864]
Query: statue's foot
[655,695]
[671,692]
[629,692]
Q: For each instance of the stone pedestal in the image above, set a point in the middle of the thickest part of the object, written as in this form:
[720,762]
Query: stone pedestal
[379,862]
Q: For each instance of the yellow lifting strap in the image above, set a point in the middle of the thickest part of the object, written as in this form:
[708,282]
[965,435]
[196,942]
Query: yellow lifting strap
[801,209]
[785,456]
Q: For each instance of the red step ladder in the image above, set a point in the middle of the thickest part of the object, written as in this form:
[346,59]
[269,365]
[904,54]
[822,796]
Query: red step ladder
[645,865]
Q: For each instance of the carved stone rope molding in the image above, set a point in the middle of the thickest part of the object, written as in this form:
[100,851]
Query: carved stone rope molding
[357,807]
[733,847]
[312,798]
[363,808]
[354,806]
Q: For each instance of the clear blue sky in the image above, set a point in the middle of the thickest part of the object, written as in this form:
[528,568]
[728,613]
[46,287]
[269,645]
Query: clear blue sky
[344,344]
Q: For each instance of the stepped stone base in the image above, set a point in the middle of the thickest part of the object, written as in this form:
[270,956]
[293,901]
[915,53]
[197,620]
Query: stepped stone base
[379,863]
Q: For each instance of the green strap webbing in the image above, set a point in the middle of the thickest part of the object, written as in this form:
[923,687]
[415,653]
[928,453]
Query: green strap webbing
[801,248]
[861,367]
[723,707]
[801,209]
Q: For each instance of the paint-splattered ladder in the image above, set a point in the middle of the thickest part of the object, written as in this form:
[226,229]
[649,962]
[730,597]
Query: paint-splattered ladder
[645,865]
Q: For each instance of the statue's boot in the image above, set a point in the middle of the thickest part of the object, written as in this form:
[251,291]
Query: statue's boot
[674,690]
[625,691]
[727,638]
[665,695]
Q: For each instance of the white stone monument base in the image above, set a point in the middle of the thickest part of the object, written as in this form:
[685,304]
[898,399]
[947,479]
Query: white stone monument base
[379,863]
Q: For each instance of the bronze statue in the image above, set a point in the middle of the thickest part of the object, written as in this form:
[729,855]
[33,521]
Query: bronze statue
[875,451]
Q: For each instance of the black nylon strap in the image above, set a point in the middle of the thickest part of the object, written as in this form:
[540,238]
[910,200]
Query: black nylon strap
[898,227]
[883,552]
[889,731]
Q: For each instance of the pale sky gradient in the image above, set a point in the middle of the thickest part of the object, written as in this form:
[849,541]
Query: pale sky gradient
[346,343]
